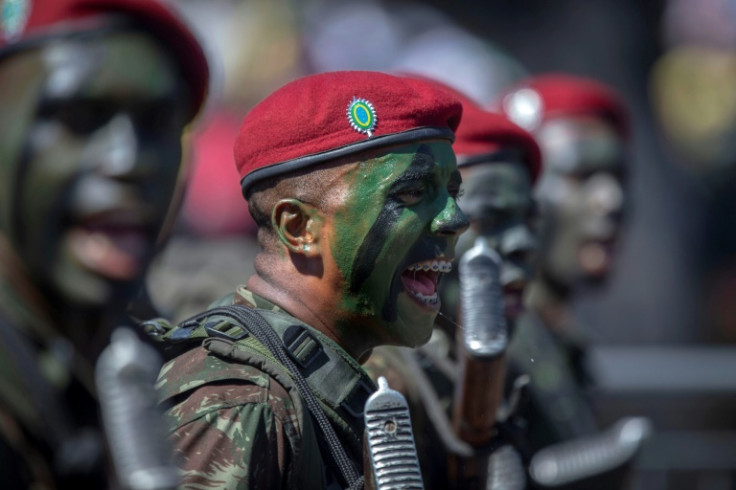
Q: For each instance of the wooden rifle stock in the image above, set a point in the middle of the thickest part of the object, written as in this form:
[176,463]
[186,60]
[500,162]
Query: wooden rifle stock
[477,397]
[481,348]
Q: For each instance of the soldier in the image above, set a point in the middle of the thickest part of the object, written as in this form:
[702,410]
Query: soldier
[582,129]
[351,179]
[95,95]
[499,163]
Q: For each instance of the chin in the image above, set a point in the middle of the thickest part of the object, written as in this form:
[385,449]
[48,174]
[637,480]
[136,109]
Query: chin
[86,289]
[414,323]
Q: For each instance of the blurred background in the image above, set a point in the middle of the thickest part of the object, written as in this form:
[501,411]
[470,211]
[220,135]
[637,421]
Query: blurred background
[662,330]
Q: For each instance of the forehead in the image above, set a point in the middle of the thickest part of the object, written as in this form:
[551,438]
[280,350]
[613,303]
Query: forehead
[580,143]
[497,174]
[416,160]
[505,184]
[120,64]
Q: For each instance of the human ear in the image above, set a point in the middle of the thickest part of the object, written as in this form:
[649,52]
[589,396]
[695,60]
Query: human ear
[297,226]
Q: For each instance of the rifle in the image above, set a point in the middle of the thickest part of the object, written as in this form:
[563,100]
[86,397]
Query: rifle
[125,375]
[598,460]
[390,453]
[482,344]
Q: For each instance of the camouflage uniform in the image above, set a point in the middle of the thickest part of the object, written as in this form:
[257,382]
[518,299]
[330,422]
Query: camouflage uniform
[233,398]
[558,406]
[48,414]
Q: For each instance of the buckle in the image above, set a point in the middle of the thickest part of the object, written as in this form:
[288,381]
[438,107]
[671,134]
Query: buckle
[220,328]
[354,403]
[302,346]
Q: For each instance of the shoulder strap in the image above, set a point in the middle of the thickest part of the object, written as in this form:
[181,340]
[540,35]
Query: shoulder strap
[256,326]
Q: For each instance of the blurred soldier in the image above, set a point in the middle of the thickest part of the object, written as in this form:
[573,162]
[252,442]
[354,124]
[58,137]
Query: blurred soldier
[352,181]
[499,162]
[95,95]
[582,129]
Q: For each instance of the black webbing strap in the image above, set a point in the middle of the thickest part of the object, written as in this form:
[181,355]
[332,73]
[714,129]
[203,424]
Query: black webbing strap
[251,320]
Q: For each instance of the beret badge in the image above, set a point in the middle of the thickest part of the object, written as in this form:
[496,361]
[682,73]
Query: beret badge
[362,116]
[13,17]
[525,108]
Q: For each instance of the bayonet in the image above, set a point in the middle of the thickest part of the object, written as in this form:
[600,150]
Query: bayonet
[482,344]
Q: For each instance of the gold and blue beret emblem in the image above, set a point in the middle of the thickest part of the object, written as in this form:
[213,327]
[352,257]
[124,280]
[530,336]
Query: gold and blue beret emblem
[362,116]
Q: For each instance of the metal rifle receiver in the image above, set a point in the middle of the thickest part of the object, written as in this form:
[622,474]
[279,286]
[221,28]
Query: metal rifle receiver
[391,452]
[485,335]
[578,459]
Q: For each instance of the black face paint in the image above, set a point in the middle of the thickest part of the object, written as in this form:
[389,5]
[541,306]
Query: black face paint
[421,164]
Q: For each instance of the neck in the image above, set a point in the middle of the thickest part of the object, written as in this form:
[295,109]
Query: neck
[89,327]
[46,315]
[300,297]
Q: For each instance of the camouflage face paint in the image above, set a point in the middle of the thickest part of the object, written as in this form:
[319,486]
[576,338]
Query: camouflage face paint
[99,163]
[399,218]
[581,198]
[497,198]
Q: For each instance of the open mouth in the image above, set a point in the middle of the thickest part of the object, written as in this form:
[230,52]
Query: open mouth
[420,281]
[595,256]
[113,245]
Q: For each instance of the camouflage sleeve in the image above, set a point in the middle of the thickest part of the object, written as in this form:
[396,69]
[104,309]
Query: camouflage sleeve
[241,446]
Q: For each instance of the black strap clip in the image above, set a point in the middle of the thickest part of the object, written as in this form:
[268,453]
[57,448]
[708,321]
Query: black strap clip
[222,328]
[302,346]
[354,403]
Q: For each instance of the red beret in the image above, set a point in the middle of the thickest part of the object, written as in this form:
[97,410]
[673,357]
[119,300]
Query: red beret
[539,98]
[330,115]
[484,136]
[28,22]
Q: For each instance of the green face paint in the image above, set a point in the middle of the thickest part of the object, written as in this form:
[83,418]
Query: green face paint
[497,198]
[581,197]
[98,164]
[394,233]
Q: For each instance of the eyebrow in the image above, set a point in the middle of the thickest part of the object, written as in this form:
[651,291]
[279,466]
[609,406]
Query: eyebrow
[456,178]
[421,167]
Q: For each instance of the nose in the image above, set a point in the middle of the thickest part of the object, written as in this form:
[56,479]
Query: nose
[604,195]
[451,221]
[116,151]
[518,248]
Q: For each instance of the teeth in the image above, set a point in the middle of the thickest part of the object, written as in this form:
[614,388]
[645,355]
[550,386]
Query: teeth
[434,265]
[429,299]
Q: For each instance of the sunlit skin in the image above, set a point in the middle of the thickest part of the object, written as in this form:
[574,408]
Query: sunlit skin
[581,198]
[357,281]
[98,165]
[91,161]
[498,199]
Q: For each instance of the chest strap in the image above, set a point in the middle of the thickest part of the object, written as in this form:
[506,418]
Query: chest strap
[304,351]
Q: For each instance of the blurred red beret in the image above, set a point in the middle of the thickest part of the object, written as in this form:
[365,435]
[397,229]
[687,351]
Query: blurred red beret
[322,117]
[484,136]
[26,23]
[552,95]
